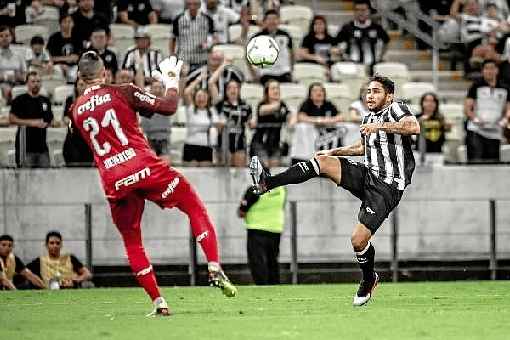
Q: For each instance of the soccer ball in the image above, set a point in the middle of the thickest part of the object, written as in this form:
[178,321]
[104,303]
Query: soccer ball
[262,51]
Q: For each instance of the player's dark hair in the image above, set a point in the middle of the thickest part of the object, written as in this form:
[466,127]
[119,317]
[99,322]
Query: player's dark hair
[387,83]
[489,61]
[270,12]
[90,66]
[318,18]
[53,233]
[6,237]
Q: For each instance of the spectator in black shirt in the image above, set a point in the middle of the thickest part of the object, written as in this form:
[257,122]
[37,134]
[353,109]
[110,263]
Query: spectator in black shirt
[98,42]
[434,125]
[11,266]
[272,112]
[318,45]
[362,40]
[136,12]
[64,49]
[85,21]
[32,113]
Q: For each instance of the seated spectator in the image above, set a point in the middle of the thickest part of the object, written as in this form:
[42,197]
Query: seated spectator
[35,10]
[85,21]
[12,66]
[142,55]
[362,40]
[13,272]
[223,17]
[37,58]
[192,35]
[64,49]
[237,113]
[76,152]
[272,112]
[157,128]
[281,71]
[358,108]
[31,112]
[167,10]
[486,106]
[98,43]
[136,13]
[318,44]
[217,64]
[124,76]
[202,123]
[59,270]
[316,125]
[433,124]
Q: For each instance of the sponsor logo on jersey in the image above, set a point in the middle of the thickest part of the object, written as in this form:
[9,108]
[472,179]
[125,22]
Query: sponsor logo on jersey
[133,178]
[119,158]
[146,97]
[94,102]
[202,236]
[369,210]
[171,188]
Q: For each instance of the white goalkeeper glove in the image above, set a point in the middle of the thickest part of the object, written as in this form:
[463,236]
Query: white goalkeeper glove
[170,72]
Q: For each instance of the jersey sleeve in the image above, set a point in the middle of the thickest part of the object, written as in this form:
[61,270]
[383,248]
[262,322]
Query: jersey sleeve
[146,104]
[472,91]
[399,111]
[248,200]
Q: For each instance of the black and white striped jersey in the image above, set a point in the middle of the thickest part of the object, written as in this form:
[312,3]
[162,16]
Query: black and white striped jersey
[389,156]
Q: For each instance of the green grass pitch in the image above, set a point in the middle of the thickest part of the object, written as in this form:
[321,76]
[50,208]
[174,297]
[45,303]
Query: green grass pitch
[452,310]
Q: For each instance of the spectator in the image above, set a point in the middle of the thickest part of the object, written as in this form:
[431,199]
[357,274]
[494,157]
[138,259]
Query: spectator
[500,5]
[282,69]
[318,44]
[239,6]
[486,105]
[85,21]
[31,112]
[76,152]
[362,40]
[157,128]
[59,270]
[202,123]
[237,114]
[223,17]
[433,123]
[316,125]
[358,108]
[167,10]
[124,76]
[272,112]
[264,217]
[34,11]
[12,66]
[38,58]
[142,55]
[225,71]
[64,49]
[192,35]
[136,13]
[8,13]
[10,265]
[98,43]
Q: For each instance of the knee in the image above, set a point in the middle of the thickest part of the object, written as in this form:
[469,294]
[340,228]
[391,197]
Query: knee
[359,241]
[327,164]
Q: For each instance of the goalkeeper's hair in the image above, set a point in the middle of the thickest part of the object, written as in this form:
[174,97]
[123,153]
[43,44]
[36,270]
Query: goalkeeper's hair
[90,66]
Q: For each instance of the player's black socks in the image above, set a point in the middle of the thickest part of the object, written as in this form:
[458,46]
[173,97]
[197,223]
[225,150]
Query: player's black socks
[366,261]
[298,173]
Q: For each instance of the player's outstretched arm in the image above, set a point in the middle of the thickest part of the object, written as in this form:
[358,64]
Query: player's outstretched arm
[407,125]
[356,149]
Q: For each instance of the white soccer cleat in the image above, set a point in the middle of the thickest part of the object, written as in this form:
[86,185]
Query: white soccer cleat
[365,291]
[160,308]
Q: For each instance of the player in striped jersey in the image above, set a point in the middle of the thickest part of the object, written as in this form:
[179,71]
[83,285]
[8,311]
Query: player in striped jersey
[379,183]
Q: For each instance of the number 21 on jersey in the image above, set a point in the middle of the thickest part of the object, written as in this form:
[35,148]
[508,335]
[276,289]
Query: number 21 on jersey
[110,118]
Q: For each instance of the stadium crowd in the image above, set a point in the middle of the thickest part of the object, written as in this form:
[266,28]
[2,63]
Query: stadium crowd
[311,99]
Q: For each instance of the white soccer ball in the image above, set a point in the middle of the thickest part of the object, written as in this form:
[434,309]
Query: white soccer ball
[262,51]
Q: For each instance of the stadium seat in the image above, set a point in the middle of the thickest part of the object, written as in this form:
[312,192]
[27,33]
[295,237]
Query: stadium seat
[252,94]
[462,154]
[177,138]
[7,153]
[505,153]
[307,73]
[120,31]
[234,32]
[24,33]
[20,50]
[398,72]
[55,139]
[350,73]
[333,29]
[159,31]
[296,33]
[61,93]
[293,95]
[49,18]
[339,94]
[454,113]
[121,46]
[179,118]
[237,54]
[162,45]
[58,115]
[296,15]
[412,91]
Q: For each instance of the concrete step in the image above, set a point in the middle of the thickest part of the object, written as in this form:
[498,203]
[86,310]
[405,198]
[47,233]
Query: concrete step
[452,96]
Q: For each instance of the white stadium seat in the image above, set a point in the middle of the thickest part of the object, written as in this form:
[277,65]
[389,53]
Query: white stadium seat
[505,153]
[180,115]
[296,33]
[7,153]
[338,94]
[352,74]
[412,91]
[252,94]
[120,31]
[307,73]
[55,138]
[234,32]
[454,114]
[159,30]
[25,32]
[398,72]
[296,15]
[293,95]
[58,115]
[49,18]
[237,54]
[61,93]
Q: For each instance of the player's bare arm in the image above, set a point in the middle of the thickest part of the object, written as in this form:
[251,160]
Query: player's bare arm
[406,126]
[356,149]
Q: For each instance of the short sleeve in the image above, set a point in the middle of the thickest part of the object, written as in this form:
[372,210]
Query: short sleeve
[210,24]
[77,265]
[16,107]
[305,107]
[308,44]
[333,108]
[35,266]
[289,41]
[175,27]
[145,103]
[399,111]
[472,91]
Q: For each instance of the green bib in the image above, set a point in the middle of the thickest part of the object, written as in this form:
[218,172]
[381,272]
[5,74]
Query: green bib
[268,212]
